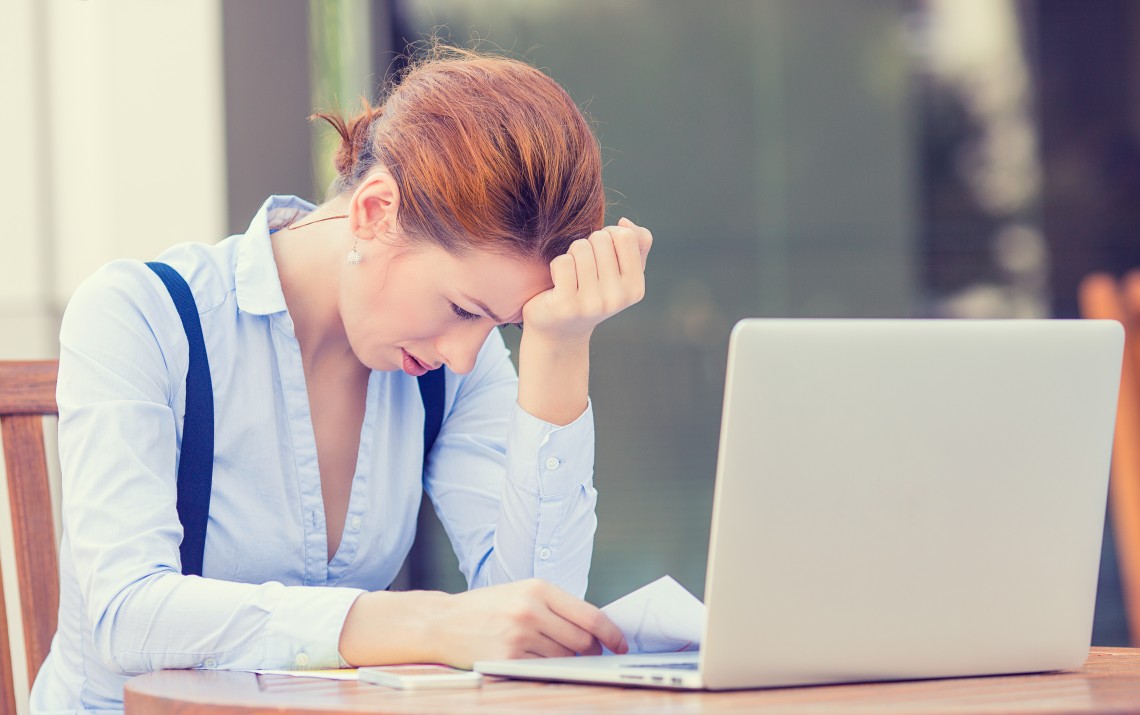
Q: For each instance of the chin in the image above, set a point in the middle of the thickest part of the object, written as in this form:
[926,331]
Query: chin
[382,365]
[377,361]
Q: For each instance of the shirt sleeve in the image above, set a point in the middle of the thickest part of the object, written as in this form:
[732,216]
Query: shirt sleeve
[122,365]
[514,493]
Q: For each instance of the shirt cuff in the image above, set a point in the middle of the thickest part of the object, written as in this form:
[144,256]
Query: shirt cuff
[304,631]
[551,460]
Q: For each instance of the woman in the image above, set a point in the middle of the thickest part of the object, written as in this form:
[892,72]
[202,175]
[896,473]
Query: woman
[472,198]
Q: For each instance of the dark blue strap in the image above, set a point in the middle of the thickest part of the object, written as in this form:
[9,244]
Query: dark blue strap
[196,462]
[431,392]
[414,573]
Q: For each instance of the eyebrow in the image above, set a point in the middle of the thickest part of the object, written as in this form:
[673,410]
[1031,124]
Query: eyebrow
[490,313]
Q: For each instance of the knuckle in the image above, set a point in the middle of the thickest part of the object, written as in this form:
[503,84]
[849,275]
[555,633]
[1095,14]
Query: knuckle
[535,587]
[522,625]
[516,642]
[583,642]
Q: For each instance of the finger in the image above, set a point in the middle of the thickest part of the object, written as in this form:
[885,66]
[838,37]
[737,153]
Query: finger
[589,618]
[585,266]
[631,262]
[569,635]
[644,238]
[604,243]
[564,275]
[546,647]
[644,244]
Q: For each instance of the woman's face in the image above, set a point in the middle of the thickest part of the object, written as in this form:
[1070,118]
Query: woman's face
[417,309]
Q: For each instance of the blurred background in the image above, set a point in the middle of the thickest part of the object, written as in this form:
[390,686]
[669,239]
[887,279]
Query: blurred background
[838,158]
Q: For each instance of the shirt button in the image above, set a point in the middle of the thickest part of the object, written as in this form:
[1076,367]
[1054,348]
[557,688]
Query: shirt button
[356,522]
[553,463]
[544,554]
[210,663]
[301,660]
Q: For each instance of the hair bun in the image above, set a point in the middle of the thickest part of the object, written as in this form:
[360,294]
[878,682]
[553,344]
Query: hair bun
[354,136]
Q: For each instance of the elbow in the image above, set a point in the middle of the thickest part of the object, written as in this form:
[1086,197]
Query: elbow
[119,631]
[104,638]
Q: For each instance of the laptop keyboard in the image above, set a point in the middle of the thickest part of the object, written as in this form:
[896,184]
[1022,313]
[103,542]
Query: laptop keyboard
[688,665]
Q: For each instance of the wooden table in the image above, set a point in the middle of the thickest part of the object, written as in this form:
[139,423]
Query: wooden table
[1108,683]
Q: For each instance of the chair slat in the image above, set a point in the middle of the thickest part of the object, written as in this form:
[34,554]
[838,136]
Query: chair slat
[36,561]
[1102,298]
[7,680]
[28,388]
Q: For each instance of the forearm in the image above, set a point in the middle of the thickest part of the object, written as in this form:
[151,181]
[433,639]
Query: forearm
[171,621]
[546,517]
[386,627]
[554,377]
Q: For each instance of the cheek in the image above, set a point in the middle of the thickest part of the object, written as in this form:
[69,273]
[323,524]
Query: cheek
[377,318]
[364,317]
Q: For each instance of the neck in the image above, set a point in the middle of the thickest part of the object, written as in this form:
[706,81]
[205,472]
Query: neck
[309,263]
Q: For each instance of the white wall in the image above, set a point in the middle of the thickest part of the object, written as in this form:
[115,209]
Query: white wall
[22,178]
[111,145]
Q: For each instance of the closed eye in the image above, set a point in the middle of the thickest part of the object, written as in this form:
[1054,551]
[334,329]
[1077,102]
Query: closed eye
[465,315]
[462,314]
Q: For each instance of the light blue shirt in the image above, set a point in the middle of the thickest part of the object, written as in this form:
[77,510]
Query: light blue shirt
[515,494]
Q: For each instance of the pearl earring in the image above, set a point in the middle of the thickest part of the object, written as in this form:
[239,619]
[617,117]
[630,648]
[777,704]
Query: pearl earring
[354,256]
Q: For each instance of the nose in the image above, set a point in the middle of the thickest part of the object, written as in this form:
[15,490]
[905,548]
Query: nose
[460,346]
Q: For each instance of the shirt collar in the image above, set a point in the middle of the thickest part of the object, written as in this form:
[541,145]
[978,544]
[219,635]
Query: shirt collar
[257,283]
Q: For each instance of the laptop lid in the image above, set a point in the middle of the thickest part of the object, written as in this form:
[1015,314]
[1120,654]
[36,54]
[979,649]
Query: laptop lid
[908,499]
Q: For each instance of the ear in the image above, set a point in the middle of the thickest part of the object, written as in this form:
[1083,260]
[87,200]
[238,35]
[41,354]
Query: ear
[373,207]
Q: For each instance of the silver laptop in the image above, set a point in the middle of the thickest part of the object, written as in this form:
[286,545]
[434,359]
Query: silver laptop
[896,499]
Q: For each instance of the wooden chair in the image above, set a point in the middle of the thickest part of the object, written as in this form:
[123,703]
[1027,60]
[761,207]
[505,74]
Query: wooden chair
[27,394]
[1103,296]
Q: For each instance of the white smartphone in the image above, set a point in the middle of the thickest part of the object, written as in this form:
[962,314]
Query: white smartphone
[419,677]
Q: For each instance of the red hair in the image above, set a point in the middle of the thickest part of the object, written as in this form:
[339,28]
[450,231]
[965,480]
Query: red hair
[488,152]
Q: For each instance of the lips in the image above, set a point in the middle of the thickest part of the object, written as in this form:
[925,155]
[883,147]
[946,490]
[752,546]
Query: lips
[412,365]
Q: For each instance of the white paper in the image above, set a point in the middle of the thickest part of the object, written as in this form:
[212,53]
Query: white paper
[327,674]
[661,617]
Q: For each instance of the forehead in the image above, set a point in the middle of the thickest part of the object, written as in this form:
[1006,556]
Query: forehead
[501,282]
